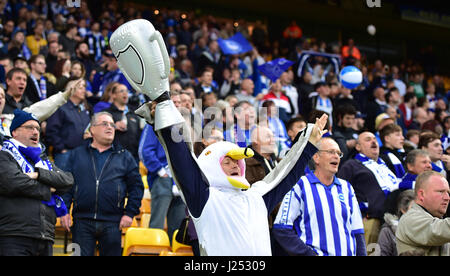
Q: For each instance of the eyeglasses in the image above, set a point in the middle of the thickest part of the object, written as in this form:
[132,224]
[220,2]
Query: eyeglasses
[106,124]
[41,63]
[339,153]
[32,127]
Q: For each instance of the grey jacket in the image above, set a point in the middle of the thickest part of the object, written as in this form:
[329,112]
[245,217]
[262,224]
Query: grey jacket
[419,230]
[386,238]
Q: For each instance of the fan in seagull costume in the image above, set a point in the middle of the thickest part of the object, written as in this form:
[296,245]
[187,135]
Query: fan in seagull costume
[230,217]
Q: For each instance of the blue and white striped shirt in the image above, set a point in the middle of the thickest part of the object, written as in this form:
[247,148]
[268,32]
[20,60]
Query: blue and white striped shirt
[326,218]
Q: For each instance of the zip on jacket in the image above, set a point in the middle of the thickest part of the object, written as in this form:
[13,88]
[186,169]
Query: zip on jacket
[97,178]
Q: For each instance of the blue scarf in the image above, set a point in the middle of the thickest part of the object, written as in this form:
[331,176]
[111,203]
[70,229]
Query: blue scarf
[408,181]
[398,167]
[33,153]
[242,137]
[386,179]
[26,51]
[41,87]
[436,168]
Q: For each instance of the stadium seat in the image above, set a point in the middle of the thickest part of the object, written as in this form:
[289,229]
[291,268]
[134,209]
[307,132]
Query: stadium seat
[145,241]
[170,253]
[179,247]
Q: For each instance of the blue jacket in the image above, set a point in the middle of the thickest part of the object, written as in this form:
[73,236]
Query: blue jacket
[102,79]
[102,181]
[151,153]
[66,126]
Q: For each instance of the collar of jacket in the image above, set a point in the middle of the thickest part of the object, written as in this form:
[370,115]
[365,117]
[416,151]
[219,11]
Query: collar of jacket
[116,147]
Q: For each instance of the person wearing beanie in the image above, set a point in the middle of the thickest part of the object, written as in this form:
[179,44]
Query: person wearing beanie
[29,189]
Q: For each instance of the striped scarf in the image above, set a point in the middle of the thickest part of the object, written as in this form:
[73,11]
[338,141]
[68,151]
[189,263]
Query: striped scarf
[18,154]
[385,177]
[408,181]
[398,167]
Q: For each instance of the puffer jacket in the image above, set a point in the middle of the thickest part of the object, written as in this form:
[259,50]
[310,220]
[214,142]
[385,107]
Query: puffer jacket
[22,212]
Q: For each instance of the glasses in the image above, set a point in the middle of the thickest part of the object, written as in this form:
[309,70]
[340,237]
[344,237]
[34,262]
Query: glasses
[339,153]
[41,63]
[32,127]
[106,124]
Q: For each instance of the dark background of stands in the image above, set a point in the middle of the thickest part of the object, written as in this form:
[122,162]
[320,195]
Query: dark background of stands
[336,20]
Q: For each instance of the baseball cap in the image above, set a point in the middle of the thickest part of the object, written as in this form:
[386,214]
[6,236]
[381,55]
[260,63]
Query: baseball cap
[380,118]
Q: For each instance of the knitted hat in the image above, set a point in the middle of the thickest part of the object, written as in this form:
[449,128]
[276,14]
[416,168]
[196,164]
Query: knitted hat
[20,117]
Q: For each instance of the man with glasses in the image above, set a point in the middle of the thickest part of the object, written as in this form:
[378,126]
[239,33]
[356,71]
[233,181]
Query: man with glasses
[105,174]
[320,215]
[29,188]
[38,86]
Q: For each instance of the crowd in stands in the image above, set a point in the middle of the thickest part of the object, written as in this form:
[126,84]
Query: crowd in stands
[397,110]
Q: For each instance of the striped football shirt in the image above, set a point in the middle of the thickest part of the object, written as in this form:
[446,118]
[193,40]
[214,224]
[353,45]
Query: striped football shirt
[326,218]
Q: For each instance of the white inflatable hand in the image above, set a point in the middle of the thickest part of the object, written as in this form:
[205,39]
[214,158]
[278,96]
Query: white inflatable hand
[143,59]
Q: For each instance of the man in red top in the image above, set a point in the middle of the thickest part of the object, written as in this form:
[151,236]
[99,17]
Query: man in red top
[350,53]
[293,31]
[280,99]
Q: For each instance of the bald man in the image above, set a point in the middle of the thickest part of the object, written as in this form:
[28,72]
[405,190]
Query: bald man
[264,160]
[372,181]
[423,228]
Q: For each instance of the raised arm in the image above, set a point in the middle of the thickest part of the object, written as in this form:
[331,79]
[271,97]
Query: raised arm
[278,182]
[182,162]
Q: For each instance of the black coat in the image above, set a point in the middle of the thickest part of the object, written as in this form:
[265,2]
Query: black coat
[11,104]
[366,187]
[22,212]
[32,93]
[128,139]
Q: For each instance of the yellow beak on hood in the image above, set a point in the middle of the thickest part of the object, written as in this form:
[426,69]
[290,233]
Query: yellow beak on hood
[240,153]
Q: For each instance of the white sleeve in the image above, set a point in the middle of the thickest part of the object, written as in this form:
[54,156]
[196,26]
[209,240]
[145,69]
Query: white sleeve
[290,209]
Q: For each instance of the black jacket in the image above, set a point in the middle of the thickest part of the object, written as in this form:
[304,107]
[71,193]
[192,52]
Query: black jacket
[32,93]
[11,104]
[65,128]
[22,212]
[128,139]
[366,187]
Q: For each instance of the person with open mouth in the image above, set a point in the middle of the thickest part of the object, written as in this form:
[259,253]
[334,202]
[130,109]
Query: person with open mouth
[301,228]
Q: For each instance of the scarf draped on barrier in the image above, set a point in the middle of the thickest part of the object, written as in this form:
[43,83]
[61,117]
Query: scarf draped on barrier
[34,153]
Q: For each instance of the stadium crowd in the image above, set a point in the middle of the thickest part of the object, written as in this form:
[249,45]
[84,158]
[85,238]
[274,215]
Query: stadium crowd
[393,127]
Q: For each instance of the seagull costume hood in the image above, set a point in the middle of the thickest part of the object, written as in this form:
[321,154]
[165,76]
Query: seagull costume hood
[210,162]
